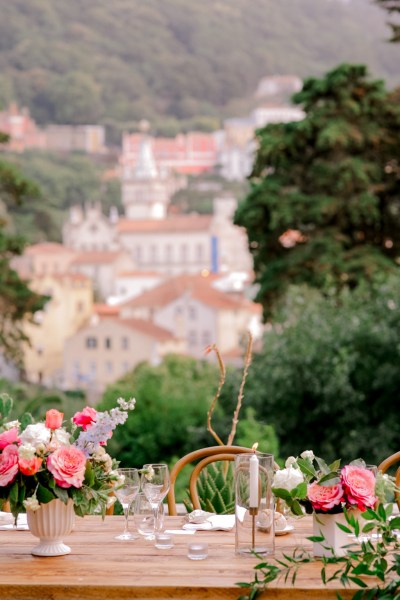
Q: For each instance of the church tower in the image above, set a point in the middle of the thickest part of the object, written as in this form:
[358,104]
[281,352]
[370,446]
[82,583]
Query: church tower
[145,191]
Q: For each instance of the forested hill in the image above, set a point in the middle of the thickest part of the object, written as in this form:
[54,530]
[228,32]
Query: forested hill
[74,61]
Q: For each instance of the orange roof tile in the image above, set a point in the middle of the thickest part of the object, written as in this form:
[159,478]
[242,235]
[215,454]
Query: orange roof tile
[105,310]
[149,328]
[94,257]
[169,225]
[200,288]
[48,248]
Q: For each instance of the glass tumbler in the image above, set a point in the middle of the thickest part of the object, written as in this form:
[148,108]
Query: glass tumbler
[143,517]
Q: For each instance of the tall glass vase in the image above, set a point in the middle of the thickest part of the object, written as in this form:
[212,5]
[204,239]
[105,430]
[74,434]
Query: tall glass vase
[254,504]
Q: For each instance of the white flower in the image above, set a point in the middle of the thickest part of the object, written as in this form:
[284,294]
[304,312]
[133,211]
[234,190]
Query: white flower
[31,503]
[35,434]
[288,478]
[101,456]
[12,424]
[149,473]
[308,454]
[26,452]
[61,436]
[290,461]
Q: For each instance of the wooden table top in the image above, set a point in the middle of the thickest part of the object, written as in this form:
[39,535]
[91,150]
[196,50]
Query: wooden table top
[101,567]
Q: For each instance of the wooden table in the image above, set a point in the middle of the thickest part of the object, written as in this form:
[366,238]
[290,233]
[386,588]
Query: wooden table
[101,567]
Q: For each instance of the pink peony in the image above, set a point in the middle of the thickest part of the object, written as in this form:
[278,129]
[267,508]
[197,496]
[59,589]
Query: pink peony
[8,465]
[54,419]
[8,437]
[30,466]
[359,486]
[86,418]
[324,497]
[67,465]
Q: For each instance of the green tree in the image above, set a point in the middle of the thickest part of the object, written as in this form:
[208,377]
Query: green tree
[329,379]
[323,208]
[172,403]
[392,6]
[17,301]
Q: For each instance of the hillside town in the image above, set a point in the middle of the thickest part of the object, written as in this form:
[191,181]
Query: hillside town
[132,287]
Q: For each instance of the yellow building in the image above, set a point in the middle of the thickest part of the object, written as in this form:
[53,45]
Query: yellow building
[69,307]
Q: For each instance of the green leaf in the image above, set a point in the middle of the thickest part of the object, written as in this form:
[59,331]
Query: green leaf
[358,581]
[306,467]
[344,528]
[44,495]
[61,493]
[89,474]
[329,479]
[322,465]
[282,493]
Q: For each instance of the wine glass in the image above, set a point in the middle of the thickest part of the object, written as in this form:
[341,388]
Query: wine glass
[126,491]
[155,486]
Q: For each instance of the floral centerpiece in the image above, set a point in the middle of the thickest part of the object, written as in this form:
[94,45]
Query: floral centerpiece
[308,484]
[40,462]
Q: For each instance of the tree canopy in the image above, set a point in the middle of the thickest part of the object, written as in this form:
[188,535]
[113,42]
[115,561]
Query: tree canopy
[118,62]
[17,300]
[392,6]
[324,204]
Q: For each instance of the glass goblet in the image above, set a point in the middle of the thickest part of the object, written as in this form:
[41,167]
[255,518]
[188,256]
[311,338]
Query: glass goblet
[155,486]
[126,491]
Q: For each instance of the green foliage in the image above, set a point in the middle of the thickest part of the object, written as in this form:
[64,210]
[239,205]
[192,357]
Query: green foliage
[81,61]
[332,181]
[328,376]
[251,429]
[172,403]
[64,182]
[17,301]
[378,560]
[392,6]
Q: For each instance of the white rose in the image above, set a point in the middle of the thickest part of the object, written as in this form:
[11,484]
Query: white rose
[26,452]
[11,425]
[61,436]
[290,461]
[308,454]
[287,479]
[36,435]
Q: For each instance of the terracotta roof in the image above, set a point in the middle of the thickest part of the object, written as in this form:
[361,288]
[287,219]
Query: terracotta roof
[105,310]
[149,328]
[141,274]
[48,248]
[173,224]
[200,288]
[94,257]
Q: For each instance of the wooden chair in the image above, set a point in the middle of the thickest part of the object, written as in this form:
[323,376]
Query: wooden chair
[205,456]
[386,464]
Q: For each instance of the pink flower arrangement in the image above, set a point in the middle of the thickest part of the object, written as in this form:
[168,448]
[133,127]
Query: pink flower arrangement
[46,460]
[320,487]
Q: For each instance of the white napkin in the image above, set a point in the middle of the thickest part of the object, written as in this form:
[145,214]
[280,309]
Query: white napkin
[213,523]
[8,523]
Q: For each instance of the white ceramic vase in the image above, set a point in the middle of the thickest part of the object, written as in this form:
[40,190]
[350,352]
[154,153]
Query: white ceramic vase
[50,523]
[326,524]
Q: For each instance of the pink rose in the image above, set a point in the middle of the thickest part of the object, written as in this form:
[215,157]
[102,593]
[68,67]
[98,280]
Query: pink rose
[67,465]
[359,486]
[31,466]
[54,419]
[86,418]
[8,437]
[324,497]
[8,465]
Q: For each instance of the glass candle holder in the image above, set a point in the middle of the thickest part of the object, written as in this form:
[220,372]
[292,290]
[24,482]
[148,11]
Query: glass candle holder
[254,504]
[197,550]
[164,541]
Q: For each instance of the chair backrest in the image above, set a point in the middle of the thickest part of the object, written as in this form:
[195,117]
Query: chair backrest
[386,464]
[204,456]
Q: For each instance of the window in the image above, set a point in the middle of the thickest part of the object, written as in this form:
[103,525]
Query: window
[153,253]
[206,338]
[125,343]
[192,338]
[168,253]
[109,367]
[125,366]
[91,342]
[138,253]
[199,252]
[192,313]
[184,253]
[80,306]
[107,343]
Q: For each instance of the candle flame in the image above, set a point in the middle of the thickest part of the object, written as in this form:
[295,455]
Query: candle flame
[254,447]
